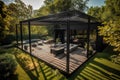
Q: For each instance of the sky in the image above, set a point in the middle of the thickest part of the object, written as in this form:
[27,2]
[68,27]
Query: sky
[38,3]
[95,3]
[35,3]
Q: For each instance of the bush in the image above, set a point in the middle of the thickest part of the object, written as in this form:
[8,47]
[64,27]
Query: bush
[8,39]
[7,66]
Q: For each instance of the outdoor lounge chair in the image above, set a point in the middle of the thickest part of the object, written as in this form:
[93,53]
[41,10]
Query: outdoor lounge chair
[40,43]
[73,47]
[57,51]
[34,44]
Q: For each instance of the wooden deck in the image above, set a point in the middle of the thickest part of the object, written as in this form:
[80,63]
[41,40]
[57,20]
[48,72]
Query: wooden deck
[77,57]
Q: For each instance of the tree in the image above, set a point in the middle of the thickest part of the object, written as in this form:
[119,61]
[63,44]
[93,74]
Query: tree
[109,14]
[96,12]
[10,15]
[22,11]
[4,21]
[41,12]
[55,6]
[79,5]
[111,33]
[62,5]
[19,11]
[8,66]
[112,27]
[29,11]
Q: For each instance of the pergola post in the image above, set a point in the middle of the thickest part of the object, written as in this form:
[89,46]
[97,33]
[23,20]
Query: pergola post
[68,45]
[16,35]
[55,36]
[88,37]
[99,42]
[97,39]
[29,30]
[21,35]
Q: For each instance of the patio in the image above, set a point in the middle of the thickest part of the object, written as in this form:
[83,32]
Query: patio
[42,52]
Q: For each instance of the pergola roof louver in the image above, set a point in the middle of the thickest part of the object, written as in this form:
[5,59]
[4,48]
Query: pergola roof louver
[73,16]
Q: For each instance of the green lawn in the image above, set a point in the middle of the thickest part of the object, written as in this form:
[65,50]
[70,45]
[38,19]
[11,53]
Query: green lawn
[98,67]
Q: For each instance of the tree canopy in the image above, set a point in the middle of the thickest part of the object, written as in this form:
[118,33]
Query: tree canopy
[109,14]
[11,14]
[55,6]
[4,20]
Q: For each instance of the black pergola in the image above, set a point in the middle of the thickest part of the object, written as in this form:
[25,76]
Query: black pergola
[69,20]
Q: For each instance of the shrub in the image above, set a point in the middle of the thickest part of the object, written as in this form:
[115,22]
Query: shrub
[7,65]
[8,39]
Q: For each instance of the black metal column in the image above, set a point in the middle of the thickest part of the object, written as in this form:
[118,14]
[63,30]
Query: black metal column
[55,36]
[29,30]
[97,39]
[99,42]
[16,35]
[88,37]
[21,35]
[68,45]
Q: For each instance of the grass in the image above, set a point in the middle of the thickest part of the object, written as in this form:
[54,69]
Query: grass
[33,69]
[98,67]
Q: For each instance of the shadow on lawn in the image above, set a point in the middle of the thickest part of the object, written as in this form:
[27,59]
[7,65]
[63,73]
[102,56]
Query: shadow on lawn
[40,71]
[98,68]
[23,61]
[48,73]
[14,76]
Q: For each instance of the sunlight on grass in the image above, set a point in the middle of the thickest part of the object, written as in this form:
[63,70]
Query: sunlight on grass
[101,69]
[105,72]
[21,73]
[111,74]
[36,69]
[108,63]
[91,74]
[115,78]
[79,78]
[86,76]
[30,68]
[97,73]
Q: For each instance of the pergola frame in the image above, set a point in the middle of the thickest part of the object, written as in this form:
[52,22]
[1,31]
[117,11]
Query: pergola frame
[52,19]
